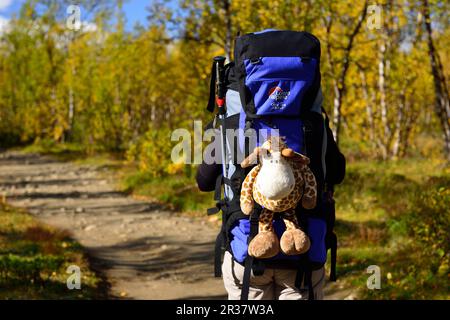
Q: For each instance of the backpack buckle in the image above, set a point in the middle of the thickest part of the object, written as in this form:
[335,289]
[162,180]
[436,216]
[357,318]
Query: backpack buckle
[211,211]
[248,125]
[219,206]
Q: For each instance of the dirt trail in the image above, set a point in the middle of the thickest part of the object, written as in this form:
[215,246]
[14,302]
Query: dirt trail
[144,251]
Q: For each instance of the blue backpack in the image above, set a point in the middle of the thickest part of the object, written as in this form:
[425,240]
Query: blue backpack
[273,87]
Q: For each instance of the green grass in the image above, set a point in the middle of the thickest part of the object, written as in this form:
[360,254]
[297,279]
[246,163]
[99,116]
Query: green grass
[34,259]
[178,191]
[75,153]
[395,215]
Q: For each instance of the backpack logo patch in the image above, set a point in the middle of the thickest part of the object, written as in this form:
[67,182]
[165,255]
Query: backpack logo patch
[279,97]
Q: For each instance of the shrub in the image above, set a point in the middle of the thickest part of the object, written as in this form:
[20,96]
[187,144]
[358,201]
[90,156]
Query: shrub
[28,268]
[429,223]
[152,152]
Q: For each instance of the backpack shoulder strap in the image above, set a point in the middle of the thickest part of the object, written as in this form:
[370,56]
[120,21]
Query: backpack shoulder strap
[249,260]
[334,159]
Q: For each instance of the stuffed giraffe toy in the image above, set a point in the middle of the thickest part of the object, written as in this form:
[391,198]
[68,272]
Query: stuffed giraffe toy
[280,180]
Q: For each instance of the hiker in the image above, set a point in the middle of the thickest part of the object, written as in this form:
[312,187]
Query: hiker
[272,88]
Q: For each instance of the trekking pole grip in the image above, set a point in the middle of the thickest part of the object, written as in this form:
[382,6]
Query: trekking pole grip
[220,83]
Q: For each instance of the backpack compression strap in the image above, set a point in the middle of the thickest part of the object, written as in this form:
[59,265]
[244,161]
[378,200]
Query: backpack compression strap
[248,264]
[333,252]
[332,238]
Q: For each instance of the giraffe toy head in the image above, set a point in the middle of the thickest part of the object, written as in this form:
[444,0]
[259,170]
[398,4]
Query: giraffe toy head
[278,174]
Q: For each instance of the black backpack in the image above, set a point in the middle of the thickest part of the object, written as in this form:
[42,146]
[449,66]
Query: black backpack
[274,82]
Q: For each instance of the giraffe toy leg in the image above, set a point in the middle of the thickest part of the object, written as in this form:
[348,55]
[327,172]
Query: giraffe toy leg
[294,240]
[246,199]
[265,244]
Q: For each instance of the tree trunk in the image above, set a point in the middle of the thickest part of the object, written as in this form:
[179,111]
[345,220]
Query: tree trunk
[71,111]
[382,90]
[398,126]
[70,115]
[340,86]
[442,107]
[369,108]
[228,31]
[410,121]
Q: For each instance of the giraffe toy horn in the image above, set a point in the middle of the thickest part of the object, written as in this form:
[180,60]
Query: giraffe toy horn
[289,153]
[253,157]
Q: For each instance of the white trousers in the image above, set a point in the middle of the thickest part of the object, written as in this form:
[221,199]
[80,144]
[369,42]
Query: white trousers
[273,284]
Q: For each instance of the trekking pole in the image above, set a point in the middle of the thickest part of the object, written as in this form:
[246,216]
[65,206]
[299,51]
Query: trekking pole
[221,89]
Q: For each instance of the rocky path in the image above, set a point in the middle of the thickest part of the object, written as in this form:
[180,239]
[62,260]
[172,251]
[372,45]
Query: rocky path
[144,251]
